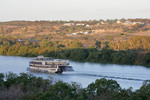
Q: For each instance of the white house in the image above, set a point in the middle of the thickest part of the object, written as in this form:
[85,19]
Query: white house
[118,22]
[102,22]
[80,24]
[69,24]
[87,25]
[86,32]
[133,23]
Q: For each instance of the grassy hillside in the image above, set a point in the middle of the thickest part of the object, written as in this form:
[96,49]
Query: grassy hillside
[87,32]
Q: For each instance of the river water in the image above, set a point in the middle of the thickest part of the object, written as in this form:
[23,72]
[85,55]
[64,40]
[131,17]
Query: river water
[85,73]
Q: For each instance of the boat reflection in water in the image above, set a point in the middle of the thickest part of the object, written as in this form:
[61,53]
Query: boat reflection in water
[50,65]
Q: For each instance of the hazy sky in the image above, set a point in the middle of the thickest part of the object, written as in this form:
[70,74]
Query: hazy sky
[73,9]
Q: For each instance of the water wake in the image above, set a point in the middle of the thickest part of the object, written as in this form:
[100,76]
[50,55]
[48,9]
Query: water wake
[104,76]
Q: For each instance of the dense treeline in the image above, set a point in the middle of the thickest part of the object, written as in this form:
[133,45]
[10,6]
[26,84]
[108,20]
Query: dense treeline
[103,56]
[74,51]
[28,87]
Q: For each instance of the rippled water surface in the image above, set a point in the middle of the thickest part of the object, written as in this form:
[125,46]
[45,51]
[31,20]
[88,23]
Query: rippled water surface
[85,73]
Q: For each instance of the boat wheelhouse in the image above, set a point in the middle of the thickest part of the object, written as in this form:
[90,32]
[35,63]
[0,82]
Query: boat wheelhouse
[50,65]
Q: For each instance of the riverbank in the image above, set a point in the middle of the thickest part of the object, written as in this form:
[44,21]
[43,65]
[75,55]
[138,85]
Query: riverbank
[129,57]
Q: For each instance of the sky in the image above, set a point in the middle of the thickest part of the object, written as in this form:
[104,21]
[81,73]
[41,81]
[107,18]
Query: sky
[73,9]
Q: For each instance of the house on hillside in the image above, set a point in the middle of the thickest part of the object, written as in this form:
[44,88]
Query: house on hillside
[86,32]
[100,30]
[127,22]
[102,22]
[133,23]
[118,22]
[80,24]
[87,25]
[69,24]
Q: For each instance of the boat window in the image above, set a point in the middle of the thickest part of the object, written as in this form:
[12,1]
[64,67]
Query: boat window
[36,62]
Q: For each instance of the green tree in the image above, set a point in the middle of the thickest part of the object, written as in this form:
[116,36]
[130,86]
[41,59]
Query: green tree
[146,60]
[101,87]
[98,44]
